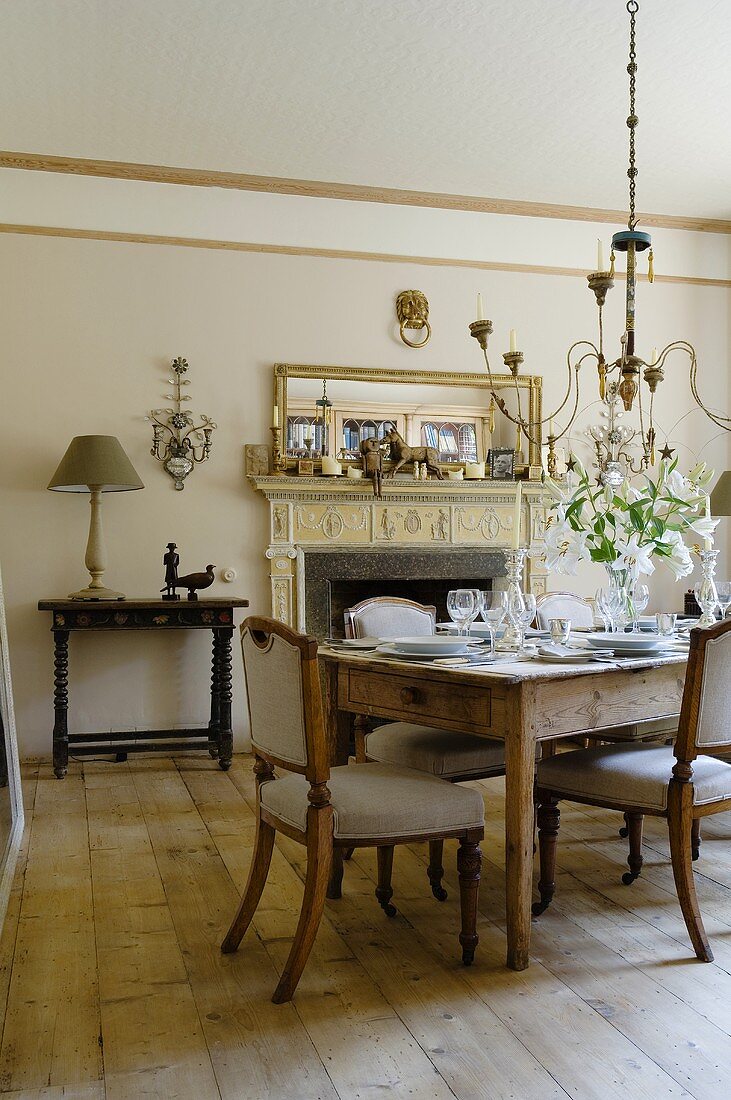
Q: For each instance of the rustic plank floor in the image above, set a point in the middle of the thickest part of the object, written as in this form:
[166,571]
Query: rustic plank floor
[113,987]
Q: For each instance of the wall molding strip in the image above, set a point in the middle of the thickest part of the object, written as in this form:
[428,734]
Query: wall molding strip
[197,177]
[331,253]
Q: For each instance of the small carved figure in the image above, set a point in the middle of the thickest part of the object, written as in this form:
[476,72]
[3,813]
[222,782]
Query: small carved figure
[370,449]
[401,453]
[171,561]
[196,582]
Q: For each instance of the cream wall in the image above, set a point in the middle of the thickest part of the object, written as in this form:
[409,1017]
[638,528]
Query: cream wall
[88,329]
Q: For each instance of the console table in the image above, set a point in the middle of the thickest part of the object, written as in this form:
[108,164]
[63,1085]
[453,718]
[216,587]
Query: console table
[215,615]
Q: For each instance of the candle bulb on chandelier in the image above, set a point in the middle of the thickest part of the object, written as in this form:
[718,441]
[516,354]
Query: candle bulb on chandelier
[513,340]
[599,254]
[653,357]
[480,307]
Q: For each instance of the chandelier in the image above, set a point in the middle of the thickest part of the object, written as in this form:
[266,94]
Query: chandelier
[619,381]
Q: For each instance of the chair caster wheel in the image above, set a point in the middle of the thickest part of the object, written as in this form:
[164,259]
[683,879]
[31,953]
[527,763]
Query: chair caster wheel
[624,831]
[628,878]
[439,893]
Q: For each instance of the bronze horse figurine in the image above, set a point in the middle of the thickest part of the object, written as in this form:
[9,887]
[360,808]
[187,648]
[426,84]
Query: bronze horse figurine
[401,453]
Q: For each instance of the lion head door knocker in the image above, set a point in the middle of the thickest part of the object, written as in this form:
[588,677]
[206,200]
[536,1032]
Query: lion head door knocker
[412,311]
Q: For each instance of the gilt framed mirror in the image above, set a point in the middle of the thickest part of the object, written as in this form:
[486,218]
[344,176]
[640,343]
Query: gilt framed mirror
[11,799]
[329,411]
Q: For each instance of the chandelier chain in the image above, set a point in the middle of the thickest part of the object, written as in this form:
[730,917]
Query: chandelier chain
[632,121]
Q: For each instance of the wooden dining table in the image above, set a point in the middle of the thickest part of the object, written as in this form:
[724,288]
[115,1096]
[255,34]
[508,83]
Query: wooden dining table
[519,702]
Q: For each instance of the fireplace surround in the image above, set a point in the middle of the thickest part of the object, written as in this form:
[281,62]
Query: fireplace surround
[419,540]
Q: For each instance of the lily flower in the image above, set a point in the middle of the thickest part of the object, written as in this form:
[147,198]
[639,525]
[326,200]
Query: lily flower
[633,557]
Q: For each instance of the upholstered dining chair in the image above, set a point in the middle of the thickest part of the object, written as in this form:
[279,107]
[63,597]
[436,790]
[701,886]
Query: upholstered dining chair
[456,757]
[564,605]
[326,808]
[678,783]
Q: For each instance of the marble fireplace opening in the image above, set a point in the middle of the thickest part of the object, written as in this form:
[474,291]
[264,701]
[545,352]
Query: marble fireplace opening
[335,580]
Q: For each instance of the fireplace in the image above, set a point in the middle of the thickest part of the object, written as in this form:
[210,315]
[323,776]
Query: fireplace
[335,580]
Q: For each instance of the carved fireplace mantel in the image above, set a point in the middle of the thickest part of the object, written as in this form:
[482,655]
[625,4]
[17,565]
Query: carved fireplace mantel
[309,514]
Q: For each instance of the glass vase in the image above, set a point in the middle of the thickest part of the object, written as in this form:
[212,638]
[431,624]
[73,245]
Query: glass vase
[622,582]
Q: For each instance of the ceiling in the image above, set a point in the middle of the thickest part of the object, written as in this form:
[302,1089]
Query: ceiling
[525,99]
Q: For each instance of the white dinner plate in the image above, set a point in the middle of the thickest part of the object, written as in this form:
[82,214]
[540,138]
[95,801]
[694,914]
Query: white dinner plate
[477,630]
[354,643]
[388,649]
[434,645]
[631,643]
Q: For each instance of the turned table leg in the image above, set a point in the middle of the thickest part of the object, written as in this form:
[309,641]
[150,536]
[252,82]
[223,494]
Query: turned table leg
[519,768]
[225,733]
[60,702]
[215,722]
[339,726]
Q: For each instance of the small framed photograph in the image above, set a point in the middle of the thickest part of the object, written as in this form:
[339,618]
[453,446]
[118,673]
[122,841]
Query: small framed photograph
[502,464]
[305,467]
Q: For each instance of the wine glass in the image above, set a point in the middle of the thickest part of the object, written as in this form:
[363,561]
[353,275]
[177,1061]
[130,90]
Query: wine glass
[522,613]
[462,608]
[640,600]
[493,608]
[609,601]
[723,589]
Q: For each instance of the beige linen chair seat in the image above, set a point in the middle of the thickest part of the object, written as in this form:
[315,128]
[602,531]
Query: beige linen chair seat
[377,801]
[435,752]
[633,776]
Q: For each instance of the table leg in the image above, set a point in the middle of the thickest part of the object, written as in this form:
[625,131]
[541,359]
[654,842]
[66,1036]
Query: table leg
[215,722]
[338,725]
[60,702]
[225,733]
[519,770]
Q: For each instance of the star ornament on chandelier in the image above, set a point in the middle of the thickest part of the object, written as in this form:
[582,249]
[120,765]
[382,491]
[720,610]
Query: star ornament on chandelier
[571,464]
[667,452]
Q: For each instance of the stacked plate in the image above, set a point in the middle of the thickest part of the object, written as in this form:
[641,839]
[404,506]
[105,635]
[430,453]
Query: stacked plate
[428,646]
[631,645]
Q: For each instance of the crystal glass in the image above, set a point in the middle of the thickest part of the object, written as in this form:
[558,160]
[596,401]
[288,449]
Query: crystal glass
[723,590]
[493,609]
[640,599]
[462,607]
[560,630]
[665,623]
[611,602]
[521,613]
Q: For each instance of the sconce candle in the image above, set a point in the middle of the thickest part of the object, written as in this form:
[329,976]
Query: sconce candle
[480,308]
[513,340]
[599,255]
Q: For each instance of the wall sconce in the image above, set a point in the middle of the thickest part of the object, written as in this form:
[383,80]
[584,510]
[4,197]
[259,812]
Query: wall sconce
[412,311]
[177,441]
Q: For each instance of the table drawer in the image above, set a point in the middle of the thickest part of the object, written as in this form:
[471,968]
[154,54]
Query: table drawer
[445,703]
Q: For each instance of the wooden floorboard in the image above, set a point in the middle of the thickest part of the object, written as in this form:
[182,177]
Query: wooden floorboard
[113,985]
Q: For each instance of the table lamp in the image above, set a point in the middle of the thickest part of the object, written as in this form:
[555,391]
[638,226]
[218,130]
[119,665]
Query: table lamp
[721,496]
[95,464]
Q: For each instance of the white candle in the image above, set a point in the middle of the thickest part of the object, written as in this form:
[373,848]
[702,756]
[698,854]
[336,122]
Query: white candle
[331,465]
[516,516]
[708,542]
[653,357]
[599,255]
[513,340]
[480,308]
[275,417]
[550,428]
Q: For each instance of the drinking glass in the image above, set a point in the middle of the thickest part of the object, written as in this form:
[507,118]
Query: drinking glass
[493,608]
[640,600]
[665,623]
[723,588]
[560,630]
[462,608]
[611,602]
[523,616]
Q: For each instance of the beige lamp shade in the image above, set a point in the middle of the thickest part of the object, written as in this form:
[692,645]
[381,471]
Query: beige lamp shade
[721,495]
[98,461]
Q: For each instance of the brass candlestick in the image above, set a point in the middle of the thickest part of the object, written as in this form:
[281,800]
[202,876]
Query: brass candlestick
[552,456]
[279,465]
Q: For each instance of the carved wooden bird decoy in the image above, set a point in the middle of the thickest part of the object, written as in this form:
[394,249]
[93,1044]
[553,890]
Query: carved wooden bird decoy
[195,582]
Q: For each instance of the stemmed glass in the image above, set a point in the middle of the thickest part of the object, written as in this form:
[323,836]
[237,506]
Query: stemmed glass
[612,607]
[640,600]
[723,588]
[463,606]
[521,613]
[493,608]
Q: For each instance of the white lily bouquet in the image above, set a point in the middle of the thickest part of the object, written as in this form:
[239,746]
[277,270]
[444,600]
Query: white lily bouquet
[629,526]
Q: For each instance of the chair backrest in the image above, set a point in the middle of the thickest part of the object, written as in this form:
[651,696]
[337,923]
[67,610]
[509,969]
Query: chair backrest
[389,617]
[705,716]
[564,605]
[283,692]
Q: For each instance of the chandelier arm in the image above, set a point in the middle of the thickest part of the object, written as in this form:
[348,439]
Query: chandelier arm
[684,345]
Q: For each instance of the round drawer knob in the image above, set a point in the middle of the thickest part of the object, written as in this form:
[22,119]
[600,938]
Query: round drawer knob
[409,695]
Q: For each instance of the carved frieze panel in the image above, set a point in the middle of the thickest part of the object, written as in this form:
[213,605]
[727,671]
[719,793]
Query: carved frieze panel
[413,525]
[332,523]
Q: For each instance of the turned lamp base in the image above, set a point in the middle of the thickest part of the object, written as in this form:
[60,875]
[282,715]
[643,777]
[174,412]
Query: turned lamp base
[96,594]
